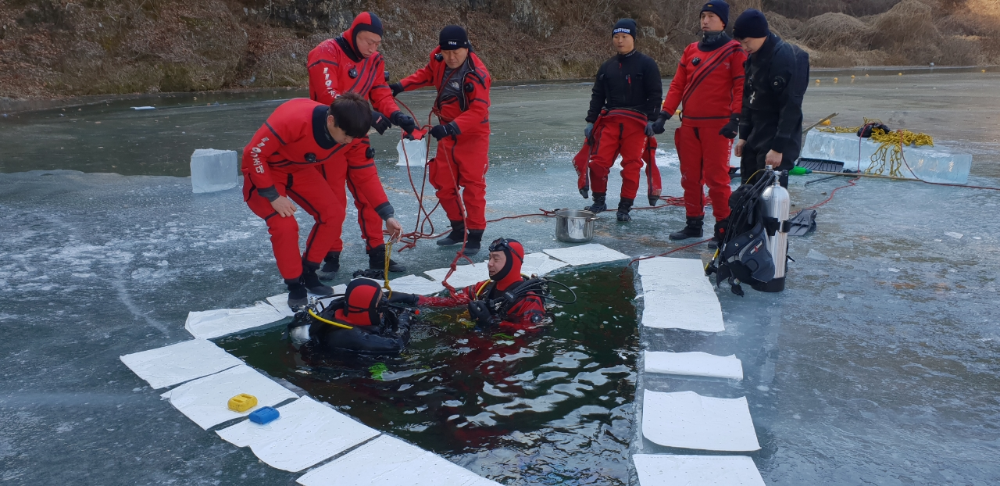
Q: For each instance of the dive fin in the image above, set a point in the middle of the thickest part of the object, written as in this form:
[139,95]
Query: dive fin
[802,223]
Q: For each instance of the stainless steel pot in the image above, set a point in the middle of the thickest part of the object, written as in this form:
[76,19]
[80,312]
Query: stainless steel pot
[575,226]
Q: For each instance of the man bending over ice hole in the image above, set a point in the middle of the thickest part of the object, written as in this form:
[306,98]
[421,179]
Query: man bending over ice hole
[506,299]
[279,164]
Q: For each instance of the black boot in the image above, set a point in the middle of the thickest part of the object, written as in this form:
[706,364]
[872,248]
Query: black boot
[474,242]
[331,265]
[297,297]
[311,281]
[456,236]
[692,230]
[624,206]
[585,192]
[376,260]
[720,232]
[599,204]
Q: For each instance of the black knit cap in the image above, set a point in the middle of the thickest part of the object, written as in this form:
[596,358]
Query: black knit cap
[720,8]
[626,26]
[453,37]
[751,24]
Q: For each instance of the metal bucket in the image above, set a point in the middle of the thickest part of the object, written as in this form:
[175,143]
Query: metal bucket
[575,226]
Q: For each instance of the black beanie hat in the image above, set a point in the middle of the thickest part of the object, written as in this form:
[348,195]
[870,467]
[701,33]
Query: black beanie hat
[453,37]
[751,24]
[625,26]
[720,8]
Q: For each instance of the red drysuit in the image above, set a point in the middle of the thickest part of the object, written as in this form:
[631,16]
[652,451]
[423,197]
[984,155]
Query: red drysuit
[583,158]
[461,158]
[619,132]
[335,67]
[280,160]
[710,87]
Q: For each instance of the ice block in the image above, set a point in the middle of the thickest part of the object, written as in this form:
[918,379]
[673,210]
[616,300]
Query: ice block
[214,170]
[932,164]
[416,152]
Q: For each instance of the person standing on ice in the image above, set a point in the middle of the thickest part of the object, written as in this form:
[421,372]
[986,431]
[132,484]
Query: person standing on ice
[352,63]
[279,167]
[777,74]
[709,84]
[623,106]
[463,133]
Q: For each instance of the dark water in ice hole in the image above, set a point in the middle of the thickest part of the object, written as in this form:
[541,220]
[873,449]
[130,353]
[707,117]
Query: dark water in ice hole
[552,406]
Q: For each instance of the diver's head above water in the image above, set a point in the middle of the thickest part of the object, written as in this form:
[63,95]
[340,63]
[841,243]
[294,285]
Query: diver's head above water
[506,257]
[361,303]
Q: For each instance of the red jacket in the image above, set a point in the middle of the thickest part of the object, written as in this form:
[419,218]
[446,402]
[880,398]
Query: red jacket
[710,91]
[470,115]
[519,316]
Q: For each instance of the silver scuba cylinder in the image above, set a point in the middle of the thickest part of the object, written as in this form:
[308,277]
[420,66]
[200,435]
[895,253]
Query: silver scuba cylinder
[776,205]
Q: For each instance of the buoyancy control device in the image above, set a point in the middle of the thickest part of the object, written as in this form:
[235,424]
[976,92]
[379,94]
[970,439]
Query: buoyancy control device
[318,325]
[754,249]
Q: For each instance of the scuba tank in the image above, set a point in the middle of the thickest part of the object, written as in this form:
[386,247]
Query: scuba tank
[776,207]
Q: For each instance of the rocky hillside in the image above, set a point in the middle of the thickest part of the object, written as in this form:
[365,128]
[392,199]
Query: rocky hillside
[55,48]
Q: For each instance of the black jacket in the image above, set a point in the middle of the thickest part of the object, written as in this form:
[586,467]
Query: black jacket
[772,97]
[631,82]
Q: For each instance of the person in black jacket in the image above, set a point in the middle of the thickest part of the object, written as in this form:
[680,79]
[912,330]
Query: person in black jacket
[624,104]
[771,122]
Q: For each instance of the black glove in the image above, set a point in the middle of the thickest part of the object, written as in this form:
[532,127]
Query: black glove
[732,129]
[396,89]
[380,122]
[649,128]
[403,121]
[588,129]
[442,131]
[660,121]
[404,298]
[479,310]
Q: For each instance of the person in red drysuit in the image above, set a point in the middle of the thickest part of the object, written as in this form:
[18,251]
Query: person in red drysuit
[709,84]
[463,135]
[352,63]
[279,164]
[525,311]
[581,162]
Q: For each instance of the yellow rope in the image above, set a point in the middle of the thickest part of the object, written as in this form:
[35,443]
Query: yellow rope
[888,157]
[385,274]
[332,323]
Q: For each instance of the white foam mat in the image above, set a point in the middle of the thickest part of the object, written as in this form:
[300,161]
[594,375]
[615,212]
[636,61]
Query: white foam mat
[671,470]
[678,295]
[177,363]
[694,364]
[586,254]
[464,276]
[391,462]
[540,264]
[206,400]
[220,322]
[415,284]
[306,433]
[688,420]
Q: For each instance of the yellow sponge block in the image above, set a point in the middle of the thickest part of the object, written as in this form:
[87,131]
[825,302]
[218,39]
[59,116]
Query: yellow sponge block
[242,402]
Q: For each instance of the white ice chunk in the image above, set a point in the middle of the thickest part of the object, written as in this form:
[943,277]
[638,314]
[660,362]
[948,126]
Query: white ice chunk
[388,461]
[586,254]
[694,364]
[177,363]
[678,295]
[464,275]
[143,108]
[688,420]
[220,322]
[671,470]
[214,170]
[206,400]
[306,433]
[414,284]
[416,152]
[957,236]
[540,264]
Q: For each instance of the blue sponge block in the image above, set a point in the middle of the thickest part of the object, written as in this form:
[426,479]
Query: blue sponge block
[264,415]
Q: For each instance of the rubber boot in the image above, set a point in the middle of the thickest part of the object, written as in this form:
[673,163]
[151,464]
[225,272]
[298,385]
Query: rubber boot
[456,236]
[311,281]
[297,296]
[599,203]
[692,230]
[331,265]
[475,241]
[720,230]
[624,206]
[376,260]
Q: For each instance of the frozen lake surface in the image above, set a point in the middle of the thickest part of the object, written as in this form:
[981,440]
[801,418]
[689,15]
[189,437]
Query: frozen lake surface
[878,364]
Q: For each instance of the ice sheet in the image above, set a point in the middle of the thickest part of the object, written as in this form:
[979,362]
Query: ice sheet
[586,254]
[678,295]
[671,470]
[389,461]
[307,433]
[205,400]
[688,420]
[177,363]
[464,275]
[414,284]
[540,264]
[694,364]
[220,322]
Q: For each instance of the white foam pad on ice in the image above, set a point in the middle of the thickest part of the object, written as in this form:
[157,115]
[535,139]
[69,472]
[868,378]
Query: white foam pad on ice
[540,264]
[464,275]
[206,400]
[678,295]
[694,364]
[586,254]
[415,284]
[219,322]
[688,420]
[177,363]
[390,462]
[306,433]
[671,470]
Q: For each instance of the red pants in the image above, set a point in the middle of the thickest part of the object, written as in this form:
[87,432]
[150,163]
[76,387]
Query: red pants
[307,189]
[463,161]
[704,158]
[621,132]
[338,175]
